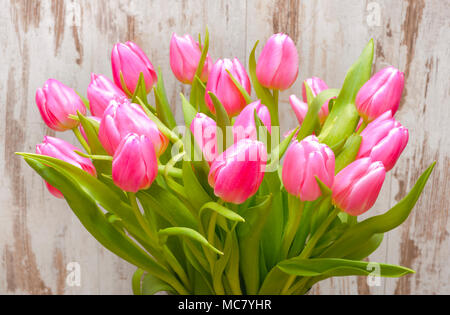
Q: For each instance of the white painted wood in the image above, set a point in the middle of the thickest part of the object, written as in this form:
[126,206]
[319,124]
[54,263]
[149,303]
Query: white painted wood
[68,40]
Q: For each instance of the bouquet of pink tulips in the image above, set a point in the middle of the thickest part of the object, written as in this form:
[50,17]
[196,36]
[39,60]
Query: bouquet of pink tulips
[223,204]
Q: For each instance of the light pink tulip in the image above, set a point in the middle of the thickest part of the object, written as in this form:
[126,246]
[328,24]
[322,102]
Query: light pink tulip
[64,151]
[100,92]
[130,60]
[244,126]
[185,55]
[277,66]
[300,108]
[357,186]
[317,85]
[134,165]
[121,118]
[222,86]
[384,140]
[83,133]
[380,94]
[304,161]
[56,102]
[237,173]
[204,130]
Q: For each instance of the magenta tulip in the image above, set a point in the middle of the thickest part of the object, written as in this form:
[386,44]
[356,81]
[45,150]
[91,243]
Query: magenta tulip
[129,60]
[316,85]
[204,130]
[300,108]
[237,173]
[384,140]
[56,102]
[245,127]
[380,94]
[62,150]
[277,66]
[185,55]
[134,165]
[223,87]
[357,186]
[121,118]
[304,161]
[100,92]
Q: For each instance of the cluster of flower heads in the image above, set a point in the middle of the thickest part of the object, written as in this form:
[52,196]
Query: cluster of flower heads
[135,142]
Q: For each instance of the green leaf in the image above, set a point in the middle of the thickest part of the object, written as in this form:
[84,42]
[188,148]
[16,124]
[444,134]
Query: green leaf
[189,111]
[136,281]
[361,232]
[261,92]
[97,224]
[241,89]
[198,89]
[343,118]
[162,103]
[222,121]
[311,121]
[223,211]
[367,248]
[190,233]
[338,267]
[249,235]
[197,195]
[348,153]
[280,150]
[141,92]
[152,285]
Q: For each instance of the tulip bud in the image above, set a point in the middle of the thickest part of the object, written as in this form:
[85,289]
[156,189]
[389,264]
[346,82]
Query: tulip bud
[357,186]
[130,60]
[277,66]
[134,165]
[384,140]
[237,173]
[121,118]
[300,108]
[316,85]
[56,102]
[204,130]
[223,87]
[380,94]
[304,161]
[83,133]
[185,55]
[100,92]
[245,127]
[62,150]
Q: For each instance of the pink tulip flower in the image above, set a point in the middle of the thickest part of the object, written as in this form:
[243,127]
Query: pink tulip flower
[134,165]
[56,102]
[223,87]
[384,140]
[204,130]
[244,126]
[60,149]
[237,173]
[121,118]
[357,186]
[380,94]
[130,60]
[100,92]
[304,161]
[277,66]
[185,55]
[300,108]
[317,85]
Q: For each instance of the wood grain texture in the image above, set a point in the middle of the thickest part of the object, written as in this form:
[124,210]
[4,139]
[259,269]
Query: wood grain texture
[68,40]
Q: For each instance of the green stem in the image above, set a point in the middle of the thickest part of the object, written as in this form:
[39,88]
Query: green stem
[176,266]
[307,251]
[362,127]
[295,208]
[274,112]
[82,141]
[140,217]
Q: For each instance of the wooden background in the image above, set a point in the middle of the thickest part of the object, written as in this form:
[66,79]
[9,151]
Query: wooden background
[68,40]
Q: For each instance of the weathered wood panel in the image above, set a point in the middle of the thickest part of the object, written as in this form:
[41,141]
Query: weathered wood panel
[68,40]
